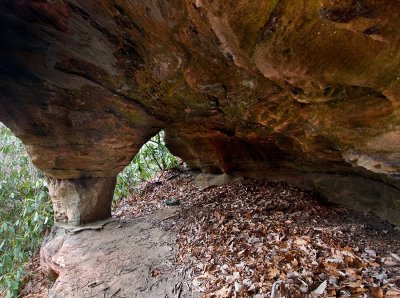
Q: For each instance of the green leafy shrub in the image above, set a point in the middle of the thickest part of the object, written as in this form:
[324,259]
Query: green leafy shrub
[152,158]
[25,211]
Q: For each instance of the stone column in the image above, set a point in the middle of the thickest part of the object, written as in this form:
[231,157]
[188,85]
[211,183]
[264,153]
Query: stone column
[83,200]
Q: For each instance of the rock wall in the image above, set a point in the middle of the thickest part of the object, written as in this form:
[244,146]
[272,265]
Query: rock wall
[302,90]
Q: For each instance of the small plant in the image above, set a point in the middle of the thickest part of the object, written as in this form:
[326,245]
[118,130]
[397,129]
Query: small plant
[25,211]
[152,158]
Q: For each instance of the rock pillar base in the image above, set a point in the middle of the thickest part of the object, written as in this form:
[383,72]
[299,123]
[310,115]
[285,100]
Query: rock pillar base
[83,200]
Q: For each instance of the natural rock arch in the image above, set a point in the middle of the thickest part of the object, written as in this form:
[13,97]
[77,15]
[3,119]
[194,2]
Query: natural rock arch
[305,91]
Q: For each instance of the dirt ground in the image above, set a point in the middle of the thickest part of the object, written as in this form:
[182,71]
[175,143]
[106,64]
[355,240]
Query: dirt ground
[245,239]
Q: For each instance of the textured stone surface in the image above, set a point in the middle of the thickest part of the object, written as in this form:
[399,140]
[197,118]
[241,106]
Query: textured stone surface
[81,200]
[308,86]
[114,259]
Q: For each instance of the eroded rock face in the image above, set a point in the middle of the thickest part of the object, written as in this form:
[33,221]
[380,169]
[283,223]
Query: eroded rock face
[301,88]
[82,200]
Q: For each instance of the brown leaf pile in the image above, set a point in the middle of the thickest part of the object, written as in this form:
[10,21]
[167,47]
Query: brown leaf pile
[262,239]
[36,284]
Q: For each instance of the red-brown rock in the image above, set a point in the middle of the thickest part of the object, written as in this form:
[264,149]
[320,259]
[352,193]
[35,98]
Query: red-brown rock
[299,90]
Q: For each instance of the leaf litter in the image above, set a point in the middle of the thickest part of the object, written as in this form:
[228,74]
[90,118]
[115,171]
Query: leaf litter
[256,238]
[265,239]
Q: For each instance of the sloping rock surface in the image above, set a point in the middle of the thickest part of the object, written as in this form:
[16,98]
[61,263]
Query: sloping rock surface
[113,259]
[282,87]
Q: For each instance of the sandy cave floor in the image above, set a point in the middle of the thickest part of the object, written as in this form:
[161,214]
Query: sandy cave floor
[245,239]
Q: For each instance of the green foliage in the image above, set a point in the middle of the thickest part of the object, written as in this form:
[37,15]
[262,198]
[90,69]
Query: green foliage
[25,211]
[152,158]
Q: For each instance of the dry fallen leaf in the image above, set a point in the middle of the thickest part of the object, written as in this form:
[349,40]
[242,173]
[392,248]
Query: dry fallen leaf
[321,288]
[395,256]
[272,273]
[224,292]
[238,286]
[377,293]
[355,284]
[301,241]
[392,293]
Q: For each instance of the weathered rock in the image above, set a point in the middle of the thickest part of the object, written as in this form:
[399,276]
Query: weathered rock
[113,259]
[81,200]
[311,87]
